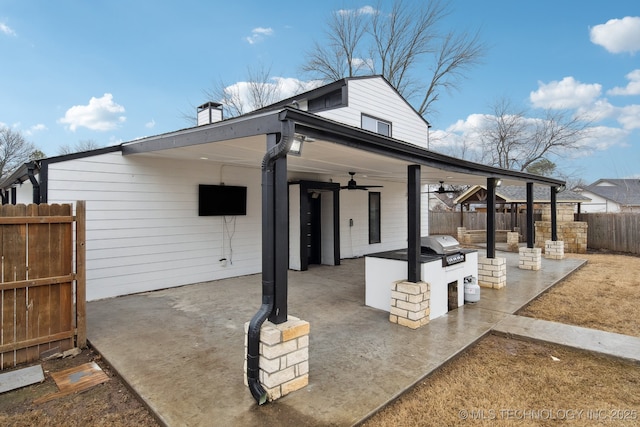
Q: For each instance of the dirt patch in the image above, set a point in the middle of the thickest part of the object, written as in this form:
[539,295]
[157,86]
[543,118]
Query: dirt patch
[108,404]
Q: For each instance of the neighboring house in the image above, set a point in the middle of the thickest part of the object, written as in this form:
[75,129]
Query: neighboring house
[612,195]
[186,206]
[512,198]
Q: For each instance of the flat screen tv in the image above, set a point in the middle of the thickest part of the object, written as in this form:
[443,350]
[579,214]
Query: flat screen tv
[222,200]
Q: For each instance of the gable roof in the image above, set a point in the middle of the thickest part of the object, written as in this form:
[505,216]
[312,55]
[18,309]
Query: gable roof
[518,194]
[325,89]
[625,192]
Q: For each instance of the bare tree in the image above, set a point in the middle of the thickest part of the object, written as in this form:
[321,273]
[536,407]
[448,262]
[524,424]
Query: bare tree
[339,55]
[14,151]
[82,145]
[258,91]
[511,140]
[403,46]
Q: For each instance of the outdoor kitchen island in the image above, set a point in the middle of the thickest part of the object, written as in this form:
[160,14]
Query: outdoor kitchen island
[445,272]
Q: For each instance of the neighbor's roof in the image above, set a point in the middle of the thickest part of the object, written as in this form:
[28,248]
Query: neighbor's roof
[625,192]
[518,194]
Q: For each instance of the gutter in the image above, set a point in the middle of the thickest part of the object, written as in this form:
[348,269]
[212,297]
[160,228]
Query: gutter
[268,259]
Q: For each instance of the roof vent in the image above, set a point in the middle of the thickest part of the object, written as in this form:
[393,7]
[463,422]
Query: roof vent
[209,112]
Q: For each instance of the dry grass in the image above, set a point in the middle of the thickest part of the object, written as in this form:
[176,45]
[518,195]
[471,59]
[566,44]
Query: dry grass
[500,374]
[602,295]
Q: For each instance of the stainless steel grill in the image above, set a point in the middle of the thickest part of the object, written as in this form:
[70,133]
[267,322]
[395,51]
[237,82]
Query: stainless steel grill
[440,244]
[443,245]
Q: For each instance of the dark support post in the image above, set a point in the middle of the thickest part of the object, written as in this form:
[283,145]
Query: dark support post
[554,216]
[530,229]
[491,217]
[413,226]
[281,206]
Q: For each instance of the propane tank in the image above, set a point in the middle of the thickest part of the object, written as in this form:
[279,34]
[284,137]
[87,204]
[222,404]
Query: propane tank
[471,289]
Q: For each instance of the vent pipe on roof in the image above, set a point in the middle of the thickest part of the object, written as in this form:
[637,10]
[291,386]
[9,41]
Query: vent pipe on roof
[209,112]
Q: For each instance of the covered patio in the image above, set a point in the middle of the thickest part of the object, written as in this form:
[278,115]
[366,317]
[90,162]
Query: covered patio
[181,349]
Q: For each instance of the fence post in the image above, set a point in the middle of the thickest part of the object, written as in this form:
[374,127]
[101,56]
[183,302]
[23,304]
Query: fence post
[81,276]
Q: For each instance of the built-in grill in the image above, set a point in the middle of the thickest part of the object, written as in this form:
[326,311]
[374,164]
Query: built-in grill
[444,245]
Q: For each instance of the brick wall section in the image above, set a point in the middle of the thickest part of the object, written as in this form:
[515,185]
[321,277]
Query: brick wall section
[284,357]
[492,272]
[574,235]
[530,259]
[554,250]
[410,304]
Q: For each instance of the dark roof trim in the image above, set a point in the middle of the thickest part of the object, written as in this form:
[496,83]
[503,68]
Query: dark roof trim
[238,127]
[322,128]
[319,127]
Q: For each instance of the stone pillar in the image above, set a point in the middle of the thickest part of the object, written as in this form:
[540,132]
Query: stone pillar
[461,231]
[410,304]
[492,272]
[554,250]
[513,238]
[284,356]
[530,259]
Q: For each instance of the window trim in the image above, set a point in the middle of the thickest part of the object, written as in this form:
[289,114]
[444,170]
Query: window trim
[378,121]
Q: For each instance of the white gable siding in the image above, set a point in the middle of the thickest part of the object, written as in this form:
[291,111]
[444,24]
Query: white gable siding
[598,204]
[376,98]
[143,228]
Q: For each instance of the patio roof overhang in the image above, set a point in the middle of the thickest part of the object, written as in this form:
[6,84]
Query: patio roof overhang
[336,149]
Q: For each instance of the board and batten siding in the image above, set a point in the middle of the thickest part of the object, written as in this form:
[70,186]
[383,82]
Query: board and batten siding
[365,96]
[143,228]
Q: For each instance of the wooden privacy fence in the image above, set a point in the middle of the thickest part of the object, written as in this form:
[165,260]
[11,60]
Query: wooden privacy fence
[618,232]
[42,299]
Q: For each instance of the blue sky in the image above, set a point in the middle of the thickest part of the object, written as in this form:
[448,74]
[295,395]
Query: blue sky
[113,71]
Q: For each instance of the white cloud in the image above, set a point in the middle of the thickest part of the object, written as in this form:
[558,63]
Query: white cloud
[35,128]
[618,35]
[5,29]
[151,124]
[100,114]
[629,117]
[632,88]
[258,34]
[564,94]
[364,10]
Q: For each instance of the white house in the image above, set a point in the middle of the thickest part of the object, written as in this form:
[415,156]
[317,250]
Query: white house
[612,195]
[144,228]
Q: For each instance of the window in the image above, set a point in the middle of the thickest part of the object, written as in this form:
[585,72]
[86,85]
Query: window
[374,217]
[376,125]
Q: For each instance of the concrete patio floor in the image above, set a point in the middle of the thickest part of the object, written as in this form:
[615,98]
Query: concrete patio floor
[182,349]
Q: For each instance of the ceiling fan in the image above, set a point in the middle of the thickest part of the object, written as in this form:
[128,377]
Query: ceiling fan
[352,185]
[441,189]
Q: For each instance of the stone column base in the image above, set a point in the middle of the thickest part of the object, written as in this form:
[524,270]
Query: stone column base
[410,304]
[284,357]
[492,272]
[554,249]
[530,259]
[513,238]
